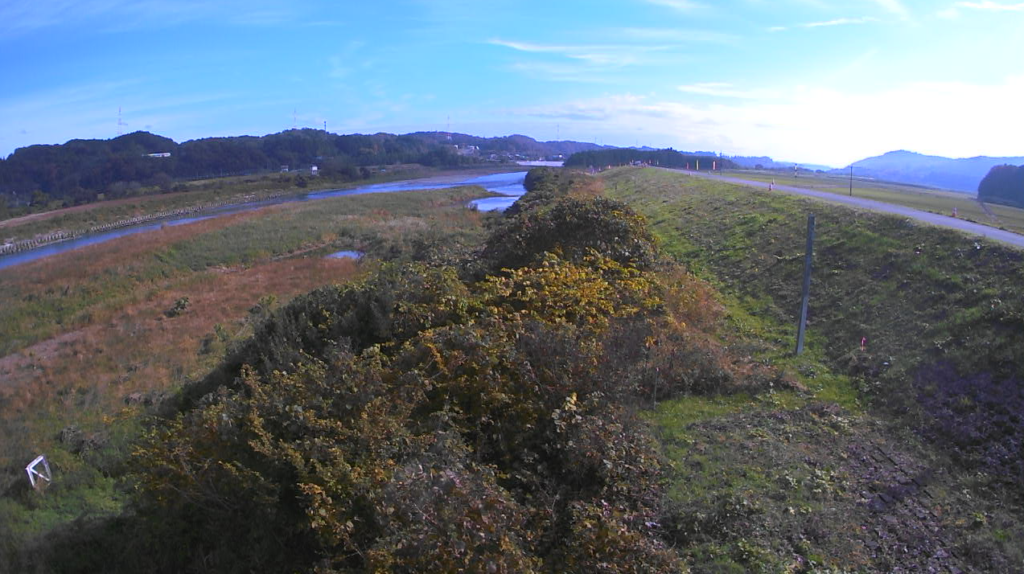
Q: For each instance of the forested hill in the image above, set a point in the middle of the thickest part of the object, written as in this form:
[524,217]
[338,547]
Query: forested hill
[79,170]
[662,157]
[514,144]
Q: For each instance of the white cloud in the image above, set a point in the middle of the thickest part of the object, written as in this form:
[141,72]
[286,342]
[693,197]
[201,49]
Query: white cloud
[814,124]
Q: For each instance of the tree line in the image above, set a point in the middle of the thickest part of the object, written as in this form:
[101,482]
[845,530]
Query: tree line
[662,157]
[80,170]
[1003,184]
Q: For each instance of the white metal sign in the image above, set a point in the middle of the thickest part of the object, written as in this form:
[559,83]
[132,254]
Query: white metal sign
[33,470]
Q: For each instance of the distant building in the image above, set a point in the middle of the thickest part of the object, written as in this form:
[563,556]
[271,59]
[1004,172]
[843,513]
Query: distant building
[314,171]
[284,169]
[162,154]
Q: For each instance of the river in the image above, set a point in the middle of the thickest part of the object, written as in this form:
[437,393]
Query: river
[509,185]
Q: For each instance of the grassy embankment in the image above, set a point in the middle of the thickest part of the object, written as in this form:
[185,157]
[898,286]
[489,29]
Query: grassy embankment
[760,480]
[88,341]
[916,197]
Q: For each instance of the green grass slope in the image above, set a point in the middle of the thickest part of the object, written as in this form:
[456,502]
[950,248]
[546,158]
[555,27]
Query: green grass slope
[919,478]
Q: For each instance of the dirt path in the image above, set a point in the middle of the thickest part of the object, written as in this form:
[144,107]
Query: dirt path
[972,228]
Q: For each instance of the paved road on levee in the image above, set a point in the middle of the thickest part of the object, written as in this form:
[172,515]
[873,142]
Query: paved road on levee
[992,233]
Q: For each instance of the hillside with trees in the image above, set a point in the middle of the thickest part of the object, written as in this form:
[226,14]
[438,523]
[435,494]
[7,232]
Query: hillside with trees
[515,144]
[81,170]
[1003,184]
[662,158]
[41,177]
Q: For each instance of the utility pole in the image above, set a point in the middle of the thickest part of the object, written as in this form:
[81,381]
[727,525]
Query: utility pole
[807,285]
[851,180]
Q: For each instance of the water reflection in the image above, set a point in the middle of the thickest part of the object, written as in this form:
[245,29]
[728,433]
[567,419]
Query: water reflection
[509,184]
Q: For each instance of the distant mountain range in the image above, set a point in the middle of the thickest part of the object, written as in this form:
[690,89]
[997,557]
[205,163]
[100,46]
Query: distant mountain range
[765,162]
[929,170]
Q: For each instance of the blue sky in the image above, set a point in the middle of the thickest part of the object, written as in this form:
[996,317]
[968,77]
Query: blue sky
[825,81]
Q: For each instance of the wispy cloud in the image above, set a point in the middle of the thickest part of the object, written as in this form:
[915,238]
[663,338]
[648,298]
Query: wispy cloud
[953,12]
[675,36]
[840,22]
[679,5]
[725,90]
[560,72]
[91,111]
[602,55]
[990,6]
[19,17]
[827,23]
[894,7]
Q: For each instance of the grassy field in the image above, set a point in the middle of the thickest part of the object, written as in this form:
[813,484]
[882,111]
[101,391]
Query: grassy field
[91,339]
[842,474]
[916,197]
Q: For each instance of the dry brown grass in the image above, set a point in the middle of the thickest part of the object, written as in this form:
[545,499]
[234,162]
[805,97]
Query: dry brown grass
[83,264]
[140,350]
[87,329]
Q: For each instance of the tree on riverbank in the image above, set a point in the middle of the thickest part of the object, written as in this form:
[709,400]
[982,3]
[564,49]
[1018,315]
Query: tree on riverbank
[1003,184]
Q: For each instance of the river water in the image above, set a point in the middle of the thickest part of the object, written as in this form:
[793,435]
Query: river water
[509,185]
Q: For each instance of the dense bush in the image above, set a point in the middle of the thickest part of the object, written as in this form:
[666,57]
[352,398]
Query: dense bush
[468,446]
[416,422]
[1003,184]
[574,227]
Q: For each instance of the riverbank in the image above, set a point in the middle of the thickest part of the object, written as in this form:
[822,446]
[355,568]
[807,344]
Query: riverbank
[19,252]
[46,227]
